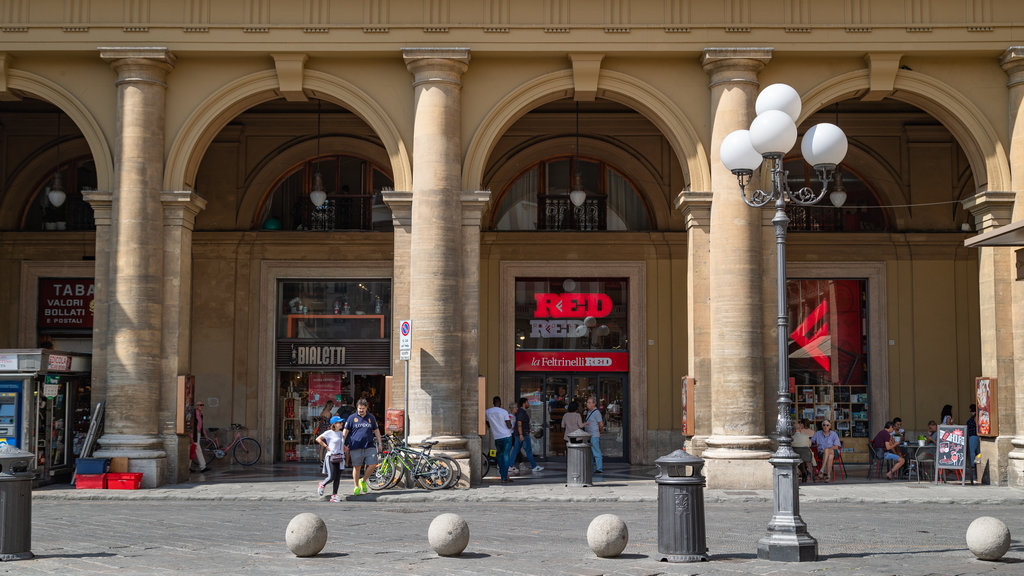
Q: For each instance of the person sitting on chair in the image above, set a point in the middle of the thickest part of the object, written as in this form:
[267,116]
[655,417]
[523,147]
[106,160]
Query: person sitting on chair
[802,446]
[827,443]
[885,449]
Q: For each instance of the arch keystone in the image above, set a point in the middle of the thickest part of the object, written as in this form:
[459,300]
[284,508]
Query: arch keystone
[289,76]
[586,69]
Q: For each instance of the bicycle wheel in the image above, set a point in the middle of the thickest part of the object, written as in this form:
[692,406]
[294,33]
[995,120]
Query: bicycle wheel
[485,465]
[247,452]
[455,473]
[209,448]
[382,475]
[432,474]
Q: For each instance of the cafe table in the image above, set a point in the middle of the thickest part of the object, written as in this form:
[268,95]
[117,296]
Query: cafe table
[916,455]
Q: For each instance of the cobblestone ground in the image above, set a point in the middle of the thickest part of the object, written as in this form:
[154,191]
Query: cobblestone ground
[507,538]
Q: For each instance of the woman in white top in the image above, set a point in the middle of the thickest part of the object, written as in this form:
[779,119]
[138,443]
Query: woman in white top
[334,460]
[947,415]
[572,421]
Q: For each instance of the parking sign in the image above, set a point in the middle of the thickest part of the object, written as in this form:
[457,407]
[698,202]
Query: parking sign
[405,335]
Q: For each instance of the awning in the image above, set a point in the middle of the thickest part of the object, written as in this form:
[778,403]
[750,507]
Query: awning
[1010,235]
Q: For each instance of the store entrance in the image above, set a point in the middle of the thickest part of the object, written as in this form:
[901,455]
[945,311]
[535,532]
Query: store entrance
[550,396]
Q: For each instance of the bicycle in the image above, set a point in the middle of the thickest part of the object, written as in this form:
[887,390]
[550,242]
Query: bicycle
[430,472]
[245,450]
[486,459]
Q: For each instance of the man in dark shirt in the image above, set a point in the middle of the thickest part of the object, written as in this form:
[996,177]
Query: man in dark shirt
[521,435]
[973,443]
[884,447]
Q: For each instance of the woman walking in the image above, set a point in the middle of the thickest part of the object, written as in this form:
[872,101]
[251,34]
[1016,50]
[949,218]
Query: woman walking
[334,462]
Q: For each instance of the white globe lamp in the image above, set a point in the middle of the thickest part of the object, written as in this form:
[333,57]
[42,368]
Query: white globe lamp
[779,97]
[773,133]
[738,154]
[824,145]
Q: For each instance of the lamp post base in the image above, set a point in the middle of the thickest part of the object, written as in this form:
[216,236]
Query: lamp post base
[787,539]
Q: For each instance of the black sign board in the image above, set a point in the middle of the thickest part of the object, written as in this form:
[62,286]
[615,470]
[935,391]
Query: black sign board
[951,451]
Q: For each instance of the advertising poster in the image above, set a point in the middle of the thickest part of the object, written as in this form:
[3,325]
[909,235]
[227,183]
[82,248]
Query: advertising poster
[951,450]
[985,398]
[323,387]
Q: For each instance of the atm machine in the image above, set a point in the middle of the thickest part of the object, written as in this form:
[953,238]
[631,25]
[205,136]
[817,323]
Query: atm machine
[44,407]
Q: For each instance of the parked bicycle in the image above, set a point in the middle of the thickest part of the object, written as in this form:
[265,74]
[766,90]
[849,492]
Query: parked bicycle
[245,450]
[429,471]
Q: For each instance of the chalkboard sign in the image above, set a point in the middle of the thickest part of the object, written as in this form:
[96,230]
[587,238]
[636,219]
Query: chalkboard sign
[951,452]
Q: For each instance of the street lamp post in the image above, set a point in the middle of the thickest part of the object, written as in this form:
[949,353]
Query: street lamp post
[772,134]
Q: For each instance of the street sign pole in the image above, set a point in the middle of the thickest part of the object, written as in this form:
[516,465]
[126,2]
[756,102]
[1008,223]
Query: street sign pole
[405,353]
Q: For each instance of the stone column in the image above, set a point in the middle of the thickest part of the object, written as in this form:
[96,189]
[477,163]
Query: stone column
[180,209]
[435,270]
[135,315]
[400,204]
[1012,62]
[696,209]
[101,204]
[738,451]
[473,204]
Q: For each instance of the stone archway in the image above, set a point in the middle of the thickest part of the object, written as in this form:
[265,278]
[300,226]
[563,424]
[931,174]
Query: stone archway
[615,86]
[975,134]
[214,113]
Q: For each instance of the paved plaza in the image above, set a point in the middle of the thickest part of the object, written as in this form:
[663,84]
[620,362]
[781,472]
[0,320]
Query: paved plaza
[235,524]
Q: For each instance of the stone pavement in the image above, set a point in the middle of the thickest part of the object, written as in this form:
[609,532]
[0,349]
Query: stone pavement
[618,484]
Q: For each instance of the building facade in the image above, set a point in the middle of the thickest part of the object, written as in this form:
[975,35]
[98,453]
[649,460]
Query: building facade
[257,194]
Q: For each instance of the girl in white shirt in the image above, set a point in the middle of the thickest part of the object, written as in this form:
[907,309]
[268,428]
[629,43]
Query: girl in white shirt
[334,457]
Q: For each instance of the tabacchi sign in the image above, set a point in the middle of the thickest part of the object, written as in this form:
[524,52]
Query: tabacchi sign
[66,302]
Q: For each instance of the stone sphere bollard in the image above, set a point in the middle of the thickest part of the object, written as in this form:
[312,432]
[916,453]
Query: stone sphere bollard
[448,535]
[607,536]
[988,538]
[306,535]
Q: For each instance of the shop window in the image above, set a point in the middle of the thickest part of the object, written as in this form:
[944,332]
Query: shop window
[74,213]
[354,200]
[539,199]
[860,213]
[334,309]
[572,314]
[828,353]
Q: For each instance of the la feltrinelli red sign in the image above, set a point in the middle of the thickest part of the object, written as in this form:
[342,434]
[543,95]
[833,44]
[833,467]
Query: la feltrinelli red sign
[572,361]
[66,302]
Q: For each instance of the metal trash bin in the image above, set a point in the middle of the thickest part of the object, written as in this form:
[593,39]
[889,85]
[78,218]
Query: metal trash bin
[579,462]
[681,531]
[15,503]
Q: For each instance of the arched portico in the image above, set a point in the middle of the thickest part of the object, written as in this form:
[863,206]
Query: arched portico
[956,112]
[214,113]
[612,85]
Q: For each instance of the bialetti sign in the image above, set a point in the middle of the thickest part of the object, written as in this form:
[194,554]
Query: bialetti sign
[317,355]
[562,315]
[66,302]
[572,361]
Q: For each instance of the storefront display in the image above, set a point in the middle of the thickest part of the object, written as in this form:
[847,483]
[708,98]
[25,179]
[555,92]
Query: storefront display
[571,343]
[828,355]
[333,348]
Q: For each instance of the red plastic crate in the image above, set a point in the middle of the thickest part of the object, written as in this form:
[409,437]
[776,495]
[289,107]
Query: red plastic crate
[124,481]
[90,481]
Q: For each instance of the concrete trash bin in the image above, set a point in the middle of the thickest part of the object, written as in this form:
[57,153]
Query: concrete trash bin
[579,462]
[681,531]
[15,503]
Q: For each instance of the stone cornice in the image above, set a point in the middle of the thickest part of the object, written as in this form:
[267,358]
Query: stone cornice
[990,209]
[696,208]
[473,204]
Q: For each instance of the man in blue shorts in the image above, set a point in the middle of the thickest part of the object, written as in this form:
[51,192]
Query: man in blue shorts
[885,447]
[362,441]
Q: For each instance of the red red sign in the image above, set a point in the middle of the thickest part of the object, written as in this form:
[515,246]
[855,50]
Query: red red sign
[66,302]
[58,363]
[572,305]
[572,361]
[323,387]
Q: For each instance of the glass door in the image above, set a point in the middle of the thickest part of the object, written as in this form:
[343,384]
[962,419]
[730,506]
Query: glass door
[550,396]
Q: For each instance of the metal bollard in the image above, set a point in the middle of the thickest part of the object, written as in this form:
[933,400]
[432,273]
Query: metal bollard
[16,498]
[681,532]
[579,463]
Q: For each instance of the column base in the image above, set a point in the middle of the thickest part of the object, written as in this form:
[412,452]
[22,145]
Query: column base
[145,454]
[1015,464]
[738,462]
[458,449]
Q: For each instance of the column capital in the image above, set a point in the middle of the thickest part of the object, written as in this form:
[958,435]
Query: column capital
[101,202]
[1012,62]
[473,204]
[400,204]
[729,65]
[990,209]
[139,64]
[696,208]
[436,65]
[181,207]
